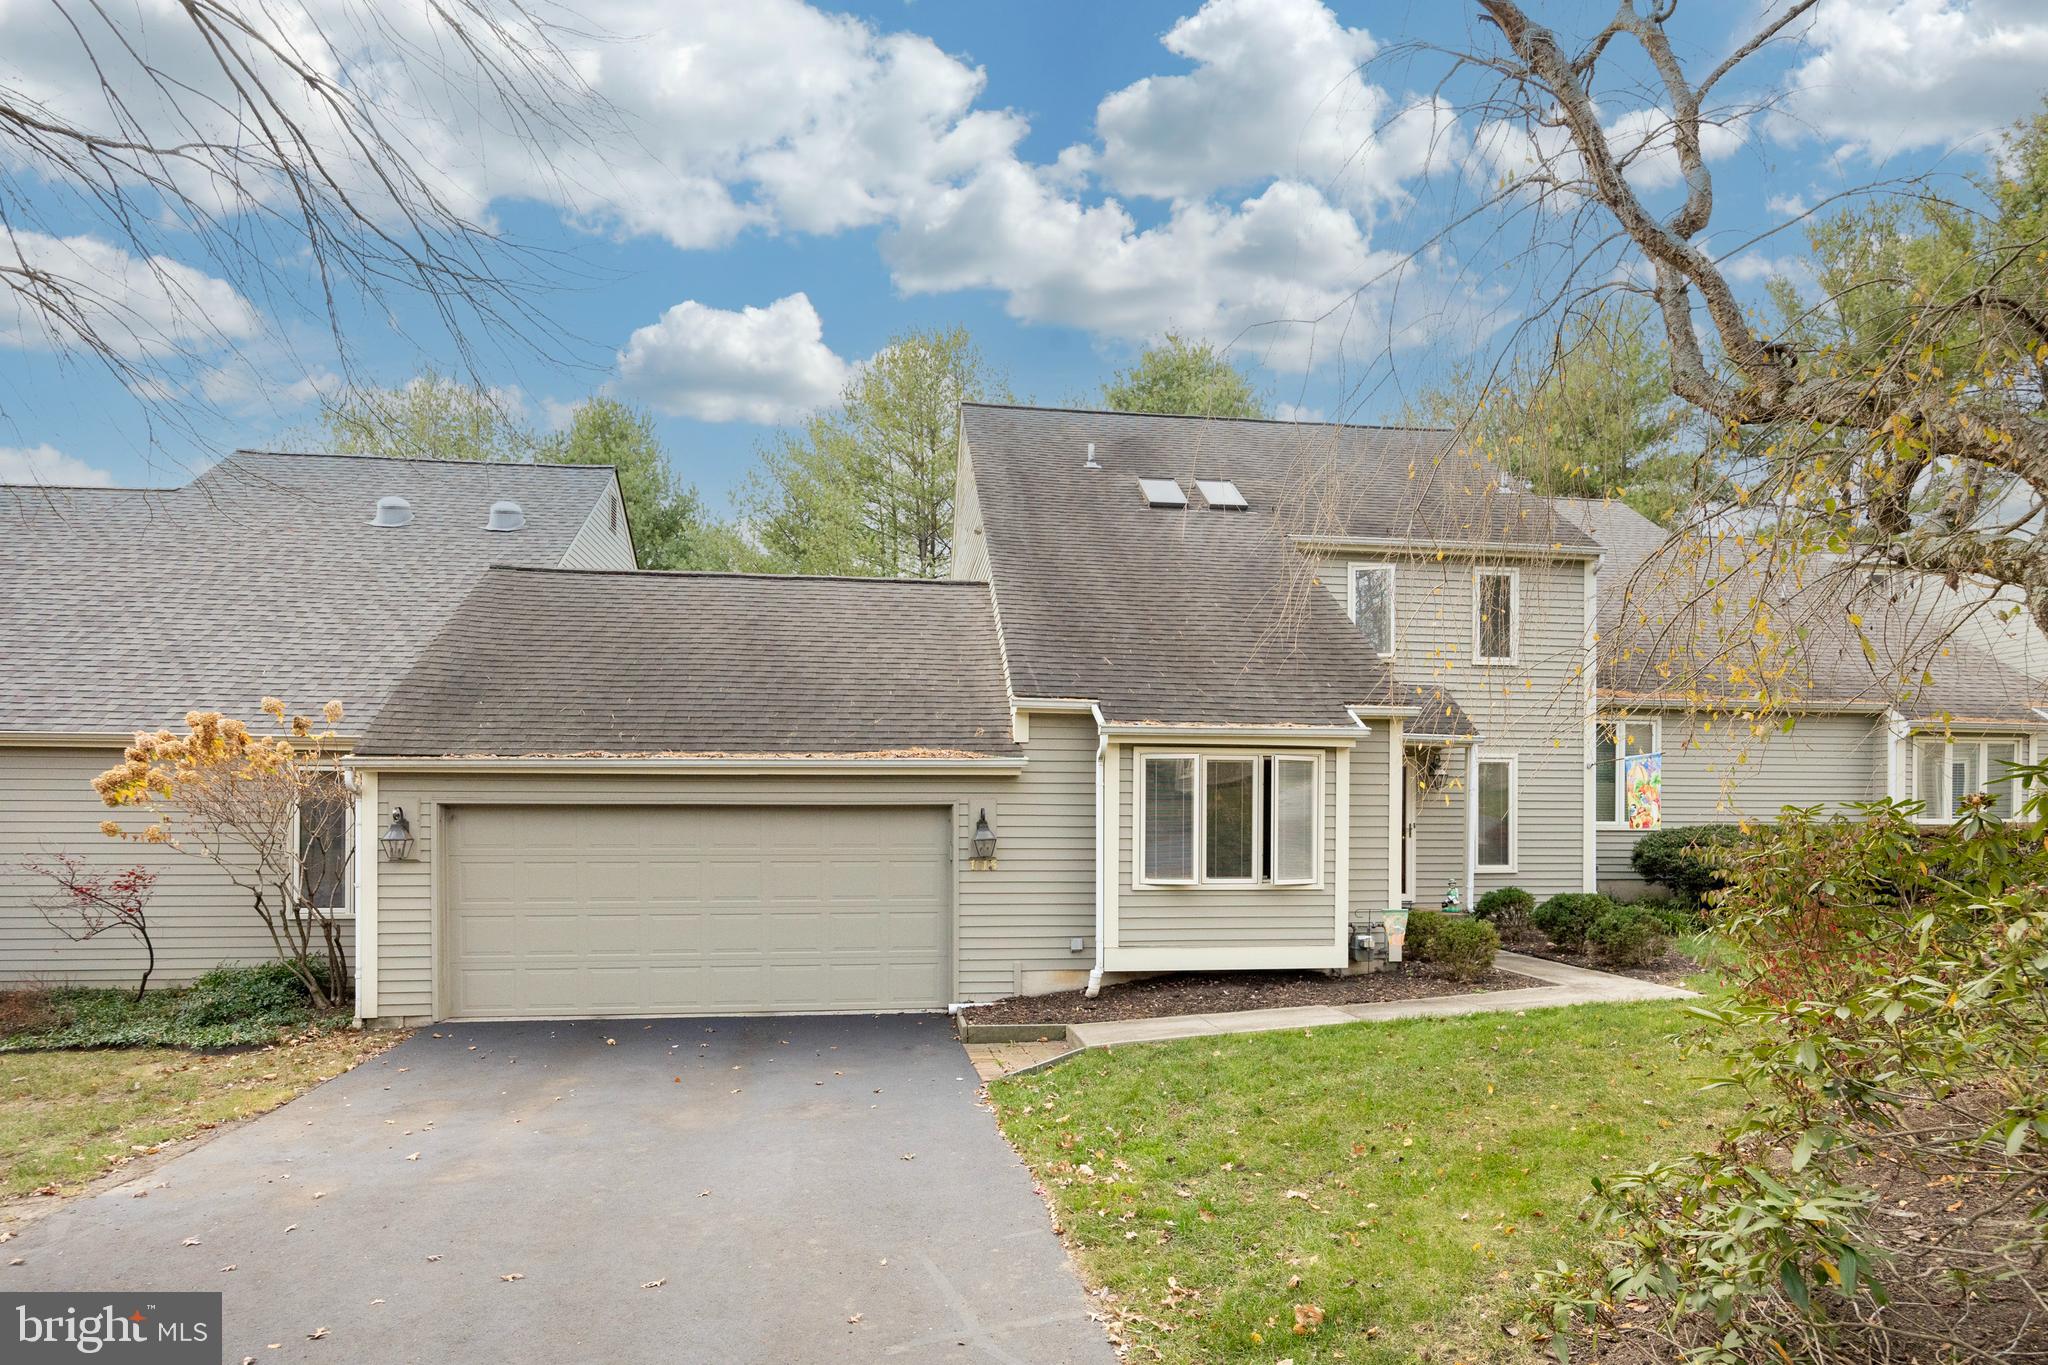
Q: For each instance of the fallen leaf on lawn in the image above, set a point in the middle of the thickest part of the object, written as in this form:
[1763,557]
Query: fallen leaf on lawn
[514,1275]
[1307,1318]
[1294,1194]
[655,1284]
[189,1242]
[316,1334]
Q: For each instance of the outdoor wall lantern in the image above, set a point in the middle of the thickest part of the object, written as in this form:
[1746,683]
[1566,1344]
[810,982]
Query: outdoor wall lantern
[397,840]
[984,840]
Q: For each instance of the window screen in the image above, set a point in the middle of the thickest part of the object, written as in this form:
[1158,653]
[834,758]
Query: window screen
[323,845]
[1496,813]
[1230,818]
[1496,616]
[1373,586]
[1169,819]
[1294,815]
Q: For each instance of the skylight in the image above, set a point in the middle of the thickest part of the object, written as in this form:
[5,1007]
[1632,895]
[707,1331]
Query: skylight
[1163,492]
[1222,493]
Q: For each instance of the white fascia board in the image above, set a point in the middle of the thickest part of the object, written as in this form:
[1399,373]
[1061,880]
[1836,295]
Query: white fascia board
[1081,704]
[1423,546]
[1321,735]
[725,767]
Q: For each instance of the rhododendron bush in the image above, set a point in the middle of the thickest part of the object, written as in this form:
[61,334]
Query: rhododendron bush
[1886,1194]
[270,811]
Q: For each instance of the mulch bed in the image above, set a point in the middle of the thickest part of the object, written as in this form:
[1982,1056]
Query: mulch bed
[1218,992]
[1672,969]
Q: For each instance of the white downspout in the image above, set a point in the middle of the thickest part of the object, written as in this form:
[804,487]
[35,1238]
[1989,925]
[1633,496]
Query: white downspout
[1471,825]
[1101,857]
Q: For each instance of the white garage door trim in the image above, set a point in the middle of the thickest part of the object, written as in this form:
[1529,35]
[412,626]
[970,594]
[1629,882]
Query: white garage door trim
[443,850]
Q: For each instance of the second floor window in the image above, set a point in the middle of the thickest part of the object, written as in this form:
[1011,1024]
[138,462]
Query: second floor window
[1372,605]
[1495,607]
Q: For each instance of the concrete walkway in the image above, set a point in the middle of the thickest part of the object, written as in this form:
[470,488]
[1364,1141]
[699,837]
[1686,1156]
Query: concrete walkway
[1561,984]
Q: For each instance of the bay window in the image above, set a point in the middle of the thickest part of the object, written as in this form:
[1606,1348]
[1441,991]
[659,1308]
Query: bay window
[1613,741]
[1945,772]
[1228,819]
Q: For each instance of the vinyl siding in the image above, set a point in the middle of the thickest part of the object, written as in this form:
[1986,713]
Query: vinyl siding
[198,919]
[1018,916]
[1223,917]
[1725,773]
[1370,821]
[970,540]
[1533,709]
[600,544]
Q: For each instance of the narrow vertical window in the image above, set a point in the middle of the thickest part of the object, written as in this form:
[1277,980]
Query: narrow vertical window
[1230,814]
[1294,820]
[1606,774]
[1372,605]
[1999,756]
[1496,612]
[323,845]
[1169,795]
[1496,796]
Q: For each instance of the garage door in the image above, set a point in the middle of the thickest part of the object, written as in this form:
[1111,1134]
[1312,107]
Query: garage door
[564,911]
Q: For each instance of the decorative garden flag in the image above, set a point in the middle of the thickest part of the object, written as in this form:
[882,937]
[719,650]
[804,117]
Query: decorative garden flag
[1642,784]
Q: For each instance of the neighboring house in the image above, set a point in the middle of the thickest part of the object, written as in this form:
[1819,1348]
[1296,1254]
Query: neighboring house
[123,609]
[706,793]
[1934,711]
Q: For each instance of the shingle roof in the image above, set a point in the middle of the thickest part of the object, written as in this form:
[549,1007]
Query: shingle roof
[576,662]
[1661,638]
[124,609]
[1195,616]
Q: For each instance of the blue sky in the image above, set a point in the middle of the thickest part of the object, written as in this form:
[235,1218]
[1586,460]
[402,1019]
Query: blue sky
[1065,179]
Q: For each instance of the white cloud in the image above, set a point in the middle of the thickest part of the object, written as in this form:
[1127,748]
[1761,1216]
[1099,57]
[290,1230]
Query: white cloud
[135,306]
[1298,412]
[1640,139]
[1790,205]
[1889,75]
[45,464]
[1276,91]
[755,365]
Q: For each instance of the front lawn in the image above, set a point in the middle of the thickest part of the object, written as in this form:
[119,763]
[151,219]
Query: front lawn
[1375,1193]
[66,1117]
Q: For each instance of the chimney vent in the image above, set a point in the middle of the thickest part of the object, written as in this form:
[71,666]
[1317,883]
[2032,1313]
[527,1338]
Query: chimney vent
[505,516]
[1091,457]
[392,511]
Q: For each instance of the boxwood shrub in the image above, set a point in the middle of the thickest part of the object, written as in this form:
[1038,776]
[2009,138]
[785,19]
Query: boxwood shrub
[1506,908]
[1564,919]
[1464,947]
[1682,859]
[1628,936]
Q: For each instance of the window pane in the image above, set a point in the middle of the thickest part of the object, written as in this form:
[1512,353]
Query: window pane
[1998,778]
[1496,616]
[1927,783]
[1496,801]
[1169,819]
[323,845]
[1642,737]
[1231,814]
[1376,607]
[1606,787]
[1294,815]
[1964,776]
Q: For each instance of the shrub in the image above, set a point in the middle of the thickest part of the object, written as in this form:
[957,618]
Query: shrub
[1464,948]
[1565,918]
[1423,928]
[1677,917]
[1628,936]
[227,1007]
[1684,859]
[1506,908]
[233,995]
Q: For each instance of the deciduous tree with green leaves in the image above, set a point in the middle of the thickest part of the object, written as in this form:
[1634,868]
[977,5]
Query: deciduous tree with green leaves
[1184,377]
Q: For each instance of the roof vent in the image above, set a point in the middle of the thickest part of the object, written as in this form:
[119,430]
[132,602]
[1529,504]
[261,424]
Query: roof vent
[505,516]
[392,511]
[1091,458]
[1222,495]
[1163,492]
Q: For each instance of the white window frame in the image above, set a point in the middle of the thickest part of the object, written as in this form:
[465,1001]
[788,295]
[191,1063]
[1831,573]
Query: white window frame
[1942,812]
[1618,817]
[1513,765]
[1514,578]
[1393,606]
[348,880]
[1315,768]
[1201,880]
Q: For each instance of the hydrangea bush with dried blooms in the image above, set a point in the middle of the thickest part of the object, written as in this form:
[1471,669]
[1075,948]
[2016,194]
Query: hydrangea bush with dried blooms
[237,799]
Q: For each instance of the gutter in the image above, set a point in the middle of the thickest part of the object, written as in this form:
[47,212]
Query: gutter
[1249,734]
[723,766]
[1424,546]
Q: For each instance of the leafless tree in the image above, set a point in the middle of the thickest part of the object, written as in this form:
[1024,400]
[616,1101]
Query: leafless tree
[216,196]
[82,903]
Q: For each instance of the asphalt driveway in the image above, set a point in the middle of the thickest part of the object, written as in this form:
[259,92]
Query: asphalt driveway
[815,1189]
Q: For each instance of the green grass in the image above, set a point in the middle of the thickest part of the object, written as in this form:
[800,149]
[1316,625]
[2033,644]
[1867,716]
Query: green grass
[1406,1179]
[66,1117]
[227,1007]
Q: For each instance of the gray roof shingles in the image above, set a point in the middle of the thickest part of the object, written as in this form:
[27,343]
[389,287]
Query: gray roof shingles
[1198,616]
[123,609]
[576,663]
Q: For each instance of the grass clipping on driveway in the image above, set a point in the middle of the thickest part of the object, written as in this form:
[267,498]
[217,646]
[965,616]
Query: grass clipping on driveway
[68,1117]
[1377,1192]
